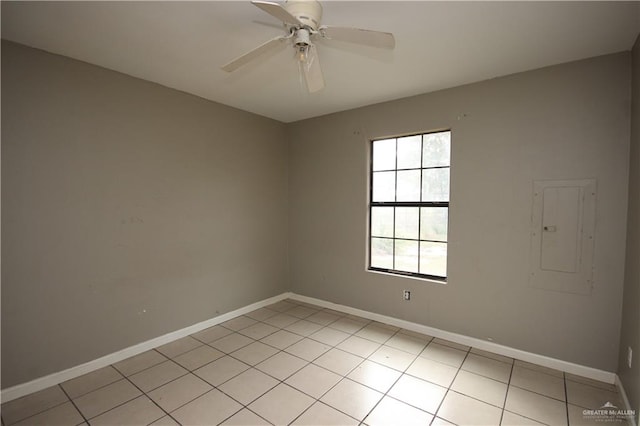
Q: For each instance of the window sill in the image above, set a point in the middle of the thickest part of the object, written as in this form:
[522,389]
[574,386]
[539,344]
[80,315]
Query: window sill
[413,277]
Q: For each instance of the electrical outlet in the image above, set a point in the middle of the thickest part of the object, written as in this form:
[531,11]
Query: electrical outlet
[406,294]
[629,356]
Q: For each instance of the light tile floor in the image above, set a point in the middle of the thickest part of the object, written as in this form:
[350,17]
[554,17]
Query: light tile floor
[295,363]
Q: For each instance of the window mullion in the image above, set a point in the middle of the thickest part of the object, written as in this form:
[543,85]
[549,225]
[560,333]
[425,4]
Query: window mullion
[395,198]
[420,208]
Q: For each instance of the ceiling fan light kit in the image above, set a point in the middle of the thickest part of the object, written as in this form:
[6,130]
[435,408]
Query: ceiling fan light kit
[302,21]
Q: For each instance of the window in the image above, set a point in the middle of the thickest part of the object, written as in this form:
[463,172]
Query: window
[409,205]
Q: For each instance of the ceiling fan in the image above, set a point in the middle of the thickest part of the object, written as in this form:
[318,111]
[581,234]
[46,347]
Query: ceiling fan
[302,20]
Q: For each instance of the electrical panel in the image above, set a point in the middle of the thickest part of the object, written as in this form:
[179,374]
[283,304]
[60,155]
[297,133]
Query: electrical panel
[562,235]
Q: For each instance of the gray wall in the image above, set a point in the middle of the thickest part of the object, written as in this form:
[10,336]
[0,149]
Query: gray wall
[120,196]
[630,335]
[562,122]
[130,210]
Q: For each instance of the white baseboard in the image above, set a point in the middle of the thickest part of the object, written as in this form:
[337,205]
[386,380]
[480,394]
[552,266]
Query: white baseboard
[625,400]
[73,372]
[579,370]
[23,389]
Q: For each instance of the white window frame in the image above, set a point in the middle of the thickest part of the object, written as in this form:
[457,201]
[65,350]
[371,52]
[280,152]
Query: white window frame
[420,204]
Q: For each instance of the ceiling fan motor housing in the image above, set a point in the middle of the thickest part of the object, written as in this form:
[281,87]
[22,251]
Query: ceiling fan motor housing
[301,38]
[309,12]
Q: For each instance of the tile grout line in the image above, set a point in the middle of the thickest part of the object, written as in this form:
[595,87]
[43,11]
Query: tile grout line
[399,331]
[71,400]
[343,377]
[540,394]
[566,396]
[166,383]
[74,405]
[154,402]
[213,387]
[435,415]
[506,394]
[283,382]
[250,367]
[115,406]
[39,412]
[402,373]
[93,390]
[144,369]
[245,407]
[509,384]
[211,384]
[322,326]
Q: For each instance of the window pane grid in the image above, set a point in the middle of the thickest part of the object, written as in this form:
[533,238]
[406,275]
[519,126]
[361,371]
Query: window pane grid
[414,242]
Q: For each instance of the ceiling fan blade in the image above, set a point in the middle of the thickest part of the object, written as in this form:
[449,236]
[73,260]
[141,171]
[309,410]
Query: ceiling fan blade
[277,11]
[253,54]
[359,36]
[312,71]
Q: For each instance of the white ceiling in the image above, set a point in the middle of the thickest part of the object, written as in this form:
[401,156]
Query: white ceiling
[438,45]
